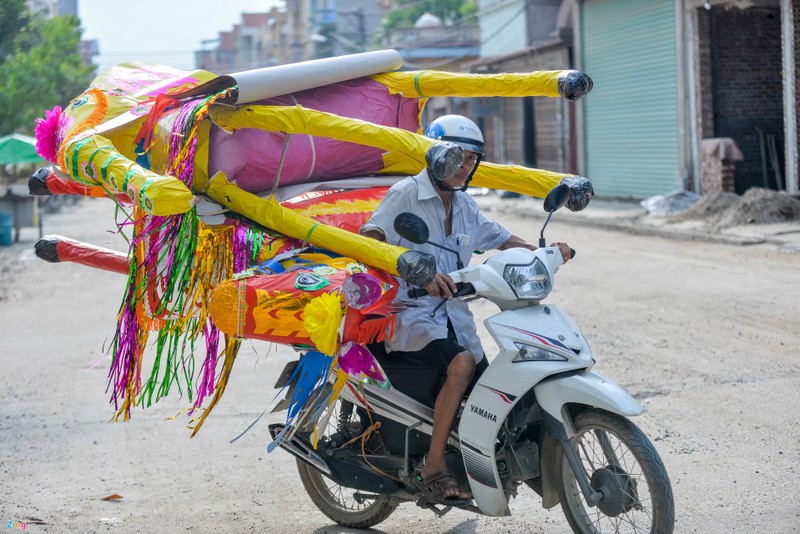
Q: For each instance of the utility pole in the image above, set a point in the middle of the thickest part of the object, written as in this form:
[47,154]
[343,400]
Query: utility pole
[362,27]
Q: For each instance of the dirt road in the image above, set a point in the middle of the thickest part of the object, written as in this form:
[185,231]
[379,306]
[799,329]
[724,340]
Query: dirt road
[704,335]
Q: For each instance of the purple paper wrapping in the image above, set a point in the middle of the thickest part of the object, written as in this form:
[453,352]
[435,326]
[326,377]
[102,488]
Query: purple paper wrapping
[250,157]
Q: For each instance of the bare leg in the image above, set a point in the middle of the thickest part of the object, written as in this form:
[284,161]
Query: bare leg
[459,375]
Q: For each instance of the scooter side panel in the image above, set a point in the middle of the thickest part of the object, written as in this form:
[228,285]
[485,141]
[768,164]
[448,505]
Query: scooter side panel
[394,405]
[483,416]
[504,382]
[545,326]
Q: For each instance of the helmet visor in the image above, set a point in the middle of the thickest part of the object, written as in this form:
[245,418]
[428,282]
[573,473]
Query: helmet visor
[467,144]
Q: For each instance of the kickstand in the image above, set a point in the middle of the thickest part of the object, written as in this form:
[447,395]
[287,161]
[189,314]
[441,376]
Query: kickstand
[436,510]
[441,511]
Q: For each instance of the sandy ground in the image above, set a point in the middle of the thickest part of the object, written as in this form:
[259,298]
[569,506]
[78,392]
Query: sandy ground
[704,335]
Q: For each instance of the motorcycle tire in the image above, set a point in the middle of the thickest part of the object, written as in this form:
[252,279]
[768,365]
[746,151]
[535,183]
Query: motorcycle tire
[621,462]
[338,502]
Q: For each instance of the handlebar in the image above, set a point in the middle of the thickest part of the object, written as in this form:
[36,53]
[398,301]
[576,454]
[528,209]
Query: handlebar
[461,290]
[417,292]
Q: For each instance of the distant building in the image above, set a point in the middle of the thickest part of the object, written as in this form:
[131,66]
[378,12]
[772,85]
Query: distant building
[54,8]
[298,31]
[88,49]
[526,36]
[433,44]
[673,75]
[437,45]
[259,40]
[339,28]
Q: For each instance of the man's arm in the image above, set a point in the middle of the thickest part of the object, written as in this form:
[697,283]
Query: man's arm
[518,242]
[442,285]
[374,234]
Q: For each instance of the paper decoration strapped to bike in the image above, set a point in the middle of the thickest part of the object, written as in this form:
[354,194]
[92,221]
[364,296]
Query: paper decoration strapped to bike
[164,141]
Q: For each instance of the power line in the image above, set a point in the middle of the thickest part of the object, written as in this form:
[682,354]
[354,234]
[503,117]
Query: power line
[148,53]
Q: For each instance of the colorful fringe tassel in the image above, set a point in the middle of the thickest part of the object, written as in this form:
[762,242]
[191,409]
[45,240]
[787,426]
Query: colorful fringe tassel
[177,261]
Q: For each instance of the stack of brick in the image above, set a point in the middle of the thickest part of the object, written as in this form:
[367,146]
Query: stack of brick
[717,162]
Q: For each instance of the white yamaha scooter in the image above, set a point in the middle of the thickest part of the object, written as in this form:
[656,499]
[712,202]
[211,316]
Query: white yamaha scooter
[538,415]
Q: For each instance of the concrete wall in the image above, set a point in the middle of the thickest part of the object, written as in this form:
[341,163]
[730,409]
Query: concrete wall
[503,28]
[551,115]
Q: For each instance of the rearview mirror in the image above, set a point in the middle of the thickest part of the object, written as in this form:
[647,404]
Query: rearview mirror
[444,159]
[556,198]
[411,227]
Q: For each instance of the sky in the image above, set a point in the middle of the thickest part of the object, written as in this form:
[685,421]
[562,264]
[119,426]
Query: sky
[159,31]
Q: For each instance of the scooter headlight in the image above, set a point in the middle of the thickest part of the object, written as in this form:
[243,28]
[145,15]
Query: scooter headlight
[529,282]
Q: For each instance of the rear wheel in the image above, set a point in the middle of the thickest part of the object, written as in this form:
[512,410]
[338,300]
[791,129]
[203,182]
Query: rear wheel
[622,463]
[345,506]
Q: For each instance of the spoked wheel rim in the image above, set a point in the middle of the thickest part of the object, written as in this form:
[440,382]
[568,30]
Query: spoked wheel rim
[343,499]
[614,470]
[345,505]
[342,426]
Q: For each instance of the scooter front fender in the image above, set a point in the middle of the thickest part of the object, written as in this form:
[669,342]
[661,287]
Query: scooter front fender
[495,395]
[586,388]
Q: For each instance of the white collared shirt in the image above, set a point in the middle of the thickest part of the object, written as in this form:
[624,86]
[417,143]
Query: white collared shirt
[471,231]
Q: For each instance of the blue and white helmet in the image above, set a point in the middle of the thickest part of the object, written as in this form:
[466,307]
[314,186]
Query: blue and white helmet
[459,130]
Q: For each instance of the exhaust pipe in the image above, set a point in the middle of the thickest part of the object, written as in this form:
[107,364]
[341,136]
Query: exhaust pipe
[298,447]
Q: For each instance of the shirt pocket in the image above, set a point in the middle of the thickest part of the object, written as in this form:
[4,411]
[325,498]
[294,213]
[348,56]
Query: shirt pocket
[463,243]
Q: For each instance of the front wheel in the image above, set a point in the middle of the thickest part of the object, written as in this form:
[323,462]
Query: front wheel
[622,464]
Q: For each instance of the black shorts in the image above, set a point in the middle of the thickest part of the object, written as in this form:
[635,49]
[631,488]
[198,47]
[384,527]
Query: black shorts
[438,353]
[435,355]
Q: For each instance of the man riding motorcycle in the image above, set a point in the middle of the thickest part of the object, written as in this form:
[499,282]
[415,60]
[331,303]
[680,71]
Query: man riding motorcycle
[448,337]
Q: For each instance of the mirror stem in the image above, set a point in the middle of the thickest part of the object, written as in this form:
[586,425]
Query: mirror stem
[542,242]
[459,263]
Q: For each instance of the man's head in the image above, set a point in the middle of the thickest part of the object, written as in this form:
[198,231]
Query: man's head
[466,134]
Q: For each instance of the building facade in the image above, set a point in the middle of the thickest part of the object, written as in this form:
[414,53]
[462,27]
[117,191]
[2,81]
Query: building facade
[525,36]
[669,77]
[673,75]
[258,40]
[742,91]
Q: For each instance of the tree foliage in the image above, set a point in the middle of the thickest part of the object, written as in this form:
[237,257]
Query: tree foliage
[40,66]
[13,18]
[447,10]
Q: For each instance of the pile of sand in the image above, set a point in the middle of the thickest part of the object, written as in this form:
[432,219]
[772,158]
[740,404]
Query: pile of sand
[758,206]
[722,209]
[707,207]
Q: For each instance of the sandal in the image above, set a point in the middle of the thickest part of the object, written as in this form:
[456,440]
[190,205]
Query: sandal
[440,484]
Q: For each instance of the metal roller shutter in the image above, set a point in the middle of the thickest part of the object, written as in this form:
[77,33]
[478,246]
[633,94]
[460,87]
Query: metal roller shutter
[631,115]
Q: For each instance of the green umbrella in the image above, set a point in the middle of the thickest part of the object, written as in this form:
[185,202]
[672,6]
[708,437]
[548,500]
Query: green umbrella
[17,149]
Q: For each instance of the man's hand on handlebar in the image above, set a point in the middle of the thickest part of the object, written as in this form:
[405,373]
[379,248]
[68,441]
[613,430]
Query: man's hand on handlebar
[515,241]
[442,285]
[566,252]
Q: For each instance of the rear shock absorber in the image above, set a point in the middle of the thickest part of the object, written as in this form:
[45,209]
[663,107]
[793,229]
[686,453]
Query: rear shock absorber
[343,424]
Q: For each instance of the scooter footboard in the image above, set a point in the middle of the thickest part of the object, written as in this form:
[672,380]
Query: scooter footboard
[587,388]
